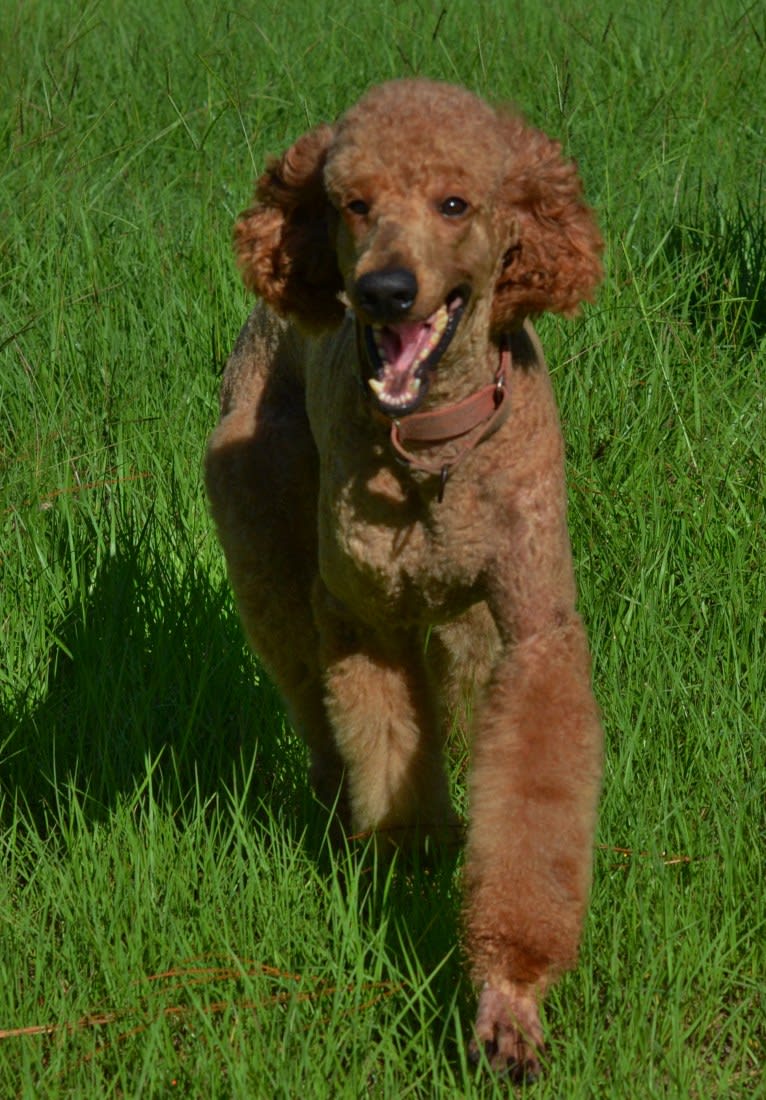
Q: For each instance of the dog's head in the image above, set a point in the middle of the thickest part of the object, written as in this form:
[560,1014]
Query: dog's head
[434,215]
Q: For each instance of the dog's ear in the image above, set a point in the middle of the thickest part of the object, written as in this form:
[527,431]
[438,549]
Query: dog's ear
[553,256]
[284,242]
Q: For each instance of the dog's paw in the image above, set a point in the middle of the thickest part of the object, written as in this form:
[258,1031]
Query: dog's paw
[508,1031]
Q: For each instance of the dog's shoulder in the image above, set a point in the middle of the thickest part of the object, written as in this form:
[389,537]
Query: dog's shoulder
[267,346]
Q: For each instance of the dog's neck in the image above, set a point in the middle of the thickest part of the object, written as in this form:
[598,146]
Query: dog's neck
[458,426]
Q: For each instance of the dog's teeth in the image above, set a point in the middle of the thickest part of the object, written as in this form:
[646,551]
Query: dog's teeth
[433,340]
[440,320]
[376,386]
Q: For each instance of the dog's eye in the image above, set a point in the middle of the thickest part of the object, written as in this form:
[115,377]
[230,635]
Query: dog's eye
[358,207]
[453,207]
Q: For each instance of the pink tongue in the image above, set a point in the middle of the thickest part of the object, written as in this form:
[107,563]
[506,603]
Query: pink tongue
[402,343]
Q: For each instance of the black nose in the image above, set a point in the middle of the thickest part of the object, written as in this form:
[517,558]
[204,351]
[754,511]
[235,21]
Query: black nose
[386,295]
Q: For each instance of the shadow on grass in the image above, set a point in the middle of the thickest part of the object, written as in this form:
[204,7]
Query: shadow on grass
[725,247]
[420,902]
[150,665]
[150,672]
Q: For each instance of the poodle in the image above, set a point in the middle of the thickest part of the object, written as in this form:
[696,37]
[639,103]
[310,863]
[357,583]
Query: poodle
[387,482]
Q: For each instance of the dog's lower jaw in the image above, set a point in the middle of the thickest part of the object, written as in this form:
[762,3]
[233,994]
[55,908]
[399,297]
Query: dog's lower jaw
[508,1030]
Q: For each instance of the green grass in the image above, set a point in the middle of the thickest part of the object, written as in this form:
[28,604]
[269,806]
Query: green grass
[168,909]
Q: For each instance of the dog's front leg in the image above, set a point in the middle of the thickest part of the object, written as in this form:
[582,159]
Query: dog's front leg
[385,728]
[535,783]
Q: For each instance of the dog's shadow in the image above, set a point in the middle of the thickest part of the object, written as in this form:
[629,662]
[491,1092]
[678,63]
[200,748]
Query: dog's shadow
[417,900]
[150,673]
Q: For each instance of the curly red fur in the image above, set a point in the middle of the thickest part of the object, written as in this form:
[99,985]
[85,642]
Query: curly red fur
[554,262]
[283,242]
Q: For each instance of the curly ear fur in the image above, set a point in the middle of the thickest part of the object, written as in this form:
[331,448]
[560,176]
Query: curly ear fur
[283,242]
[553,261]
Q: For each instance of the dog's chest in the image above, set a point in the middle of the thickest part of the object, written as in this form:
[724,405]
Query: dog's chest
[389,551]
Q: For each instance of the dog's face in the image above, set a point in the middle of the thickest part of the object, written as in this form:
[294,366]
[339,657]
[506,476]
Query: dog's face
[417,241]
[437,218]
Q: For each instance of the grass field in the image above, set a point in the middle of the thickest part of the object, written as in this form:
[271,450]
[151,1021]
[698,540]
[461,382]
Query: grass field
[171,922]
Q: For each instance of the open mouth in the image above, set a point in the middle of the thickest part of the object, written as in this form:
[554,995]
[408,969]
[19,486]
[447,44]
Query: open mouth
[402,356]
